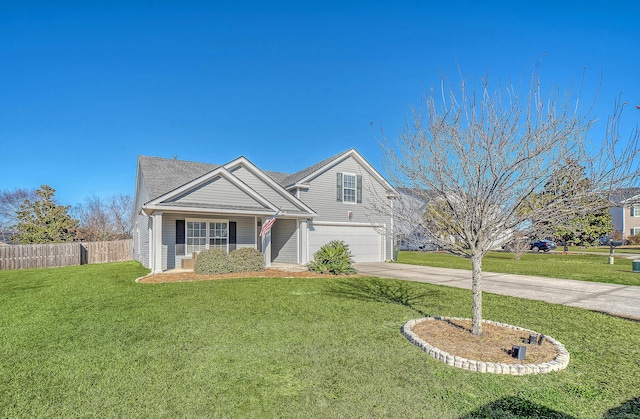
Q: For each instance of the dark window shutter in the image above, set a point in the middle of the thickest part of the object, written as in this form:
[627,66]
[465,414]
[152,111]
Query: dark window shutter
[232,232]
[180,231]
[359,189]
[339,187]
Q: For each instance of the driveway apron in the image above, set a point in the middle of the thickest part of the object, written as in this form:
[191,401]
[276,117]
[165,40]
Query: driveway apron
[618,300]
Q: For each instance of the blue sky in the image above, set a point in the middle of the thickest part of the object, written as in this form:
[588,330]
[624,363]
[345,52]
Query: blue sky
[86,87]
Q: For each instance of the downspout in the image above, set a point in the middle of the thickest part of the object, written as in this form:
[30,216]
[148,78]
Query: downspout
[393,233]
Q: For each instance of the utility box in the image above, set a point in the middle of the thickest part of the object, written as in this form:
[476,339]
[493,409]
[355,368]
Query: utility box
[518,352]
[636,265]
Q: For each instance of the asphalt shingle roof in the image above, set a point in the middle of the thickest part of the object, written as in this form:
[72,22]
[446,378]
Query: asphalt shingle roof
[294,178]
[163,175]
[620,195]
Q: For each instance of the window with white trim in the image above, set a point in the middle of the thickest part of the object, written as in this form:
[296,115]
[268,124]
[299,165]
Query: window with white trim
[635,210]
[196,236]
[348,187]
[201,235]
[218,235]
[635,231]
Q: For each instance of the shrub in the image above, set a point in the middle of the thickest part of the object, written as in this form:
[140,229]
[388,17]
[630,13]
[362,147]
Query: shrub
[633,240]
[333,258]
[246,259]
[212,261]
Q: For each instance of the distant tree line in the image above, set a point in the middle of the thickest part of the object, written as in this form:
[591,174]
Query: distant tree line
[36,217]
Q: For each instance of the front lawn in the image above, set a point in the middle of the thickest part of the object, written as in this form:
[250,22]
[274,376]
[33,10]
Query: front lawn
[582,267]
[89,342]
[604,249]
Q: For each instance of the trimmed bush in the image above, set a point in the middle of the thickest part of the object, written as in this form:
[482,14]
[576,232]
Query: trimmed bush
[633,240]
[212,261]
[333,258]
[246,259]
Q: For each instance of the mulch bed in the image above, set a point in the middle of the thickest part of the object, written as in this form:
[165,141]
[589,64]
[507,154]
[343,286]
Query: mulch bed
[454,337]
[267,273]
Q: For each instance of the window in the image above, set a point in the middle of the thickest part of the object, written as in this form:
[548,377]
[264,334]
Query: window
[201,235]
[635,210]
[349,188]
[196,236]
[635,231]
[218,235]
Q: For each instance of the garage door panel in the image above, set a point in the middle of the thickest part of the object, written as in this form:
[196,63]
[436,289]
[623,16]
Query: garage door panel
[365,243]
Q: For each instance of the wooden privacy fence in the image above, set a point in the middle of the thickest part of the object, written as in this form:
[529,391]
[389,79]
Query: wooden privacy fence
[26,256]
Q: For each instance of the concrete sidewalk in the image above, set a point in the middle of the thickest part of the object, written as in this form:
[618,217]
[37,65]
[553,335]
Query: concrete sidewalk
[619,300]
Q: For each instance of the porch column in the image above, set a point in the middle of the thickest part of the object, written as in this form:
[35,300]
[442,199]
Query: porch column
[150,241]
[266,247]
[304,242]
[157,242]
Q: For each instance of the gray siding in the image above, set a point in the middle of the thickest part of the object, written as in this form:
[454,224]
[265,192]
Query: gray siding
[169,240]
[283,242]
[246,232]
[321,197]
[141,224]
[218,191]
[141,239]
[264,189]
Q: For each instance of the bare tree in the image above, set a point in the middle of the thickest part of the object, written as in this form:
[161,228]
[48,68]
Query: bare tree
[10,202]
[121,208]
[103,220]
[480,156]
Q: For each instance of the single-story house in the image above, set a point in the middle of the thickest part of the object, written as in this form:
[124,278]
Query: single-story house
[182,207]
[625,211]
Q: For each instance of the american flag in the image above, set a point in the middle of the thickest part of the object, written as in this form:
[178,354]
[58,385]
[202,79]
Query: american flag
[267,226]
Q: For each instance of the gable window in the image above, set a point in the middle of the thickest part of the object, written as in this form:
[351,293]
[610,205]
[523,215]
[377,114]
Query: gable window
[349,188]
[201,235]
[635,210]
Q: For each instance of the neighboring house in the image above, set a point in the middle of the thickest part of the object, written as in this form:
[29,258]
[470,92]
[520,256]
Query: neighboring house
[409,211]
[183,207]
[625,211]
[409,217]
[5,237]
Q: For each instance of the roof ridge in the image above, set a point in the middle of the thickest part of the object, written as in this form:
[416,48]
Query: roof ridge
[293,178]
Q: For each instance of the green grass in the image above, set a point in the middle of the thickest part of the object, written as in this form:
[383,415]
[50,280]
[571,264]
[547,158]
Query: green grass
[604,249]
[89,342]
[582,267]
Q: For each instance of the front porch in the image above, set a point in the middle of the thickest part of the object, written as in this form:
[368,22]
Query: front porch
[175,237]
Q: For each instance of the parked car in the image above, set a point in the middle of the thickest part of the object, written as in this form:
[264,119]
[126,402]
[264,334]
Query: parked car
[544,245]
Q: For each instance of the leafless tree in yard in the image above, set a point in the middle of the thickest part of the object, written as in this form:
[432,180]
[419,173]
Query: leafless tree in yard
[480,156]
[103,220]
[121,207]
[10,202]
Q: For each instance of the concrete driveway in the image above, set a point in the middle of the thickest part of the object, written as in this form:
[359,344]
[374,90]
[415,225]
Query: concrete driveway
[619,300]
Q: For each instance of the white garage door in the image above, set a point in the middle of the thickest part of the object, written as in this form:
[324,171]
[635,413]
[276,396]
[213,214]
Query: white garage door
[365,242]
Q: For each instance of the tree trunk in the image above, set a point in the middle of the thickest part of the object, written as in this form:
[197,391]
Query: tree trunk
[476,291]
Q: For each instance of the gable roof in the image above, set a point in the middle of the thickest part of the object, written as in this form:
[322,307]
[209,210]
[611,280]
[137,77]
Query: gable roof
[167,179]
[620,197]
[302,174]
[274,191]
[170,181]
[302,177]
[163,175]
